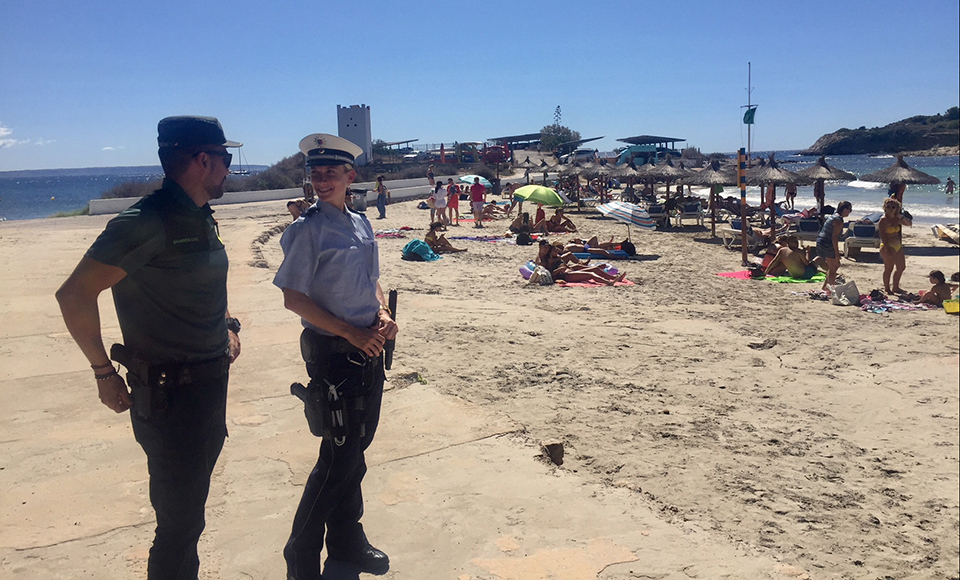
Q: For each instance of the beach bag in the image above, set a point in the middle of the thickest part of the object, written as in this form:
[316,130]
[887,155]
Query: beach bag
[845,294]
[431,203]
[541,276]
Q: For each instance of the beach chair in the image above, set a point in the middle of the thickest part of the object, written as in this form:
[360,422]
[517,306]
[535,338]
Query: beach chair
[861,236]
[689,211]
[732,236]
[808,229]
[658,213]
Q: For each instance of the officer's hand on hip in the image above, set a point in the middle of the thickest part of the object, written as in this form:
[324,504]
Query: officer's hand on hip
[113,393]
[368,340]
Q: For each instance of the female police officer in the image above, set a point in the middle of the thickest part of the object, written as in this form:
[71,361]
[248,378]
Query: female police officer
[329,277]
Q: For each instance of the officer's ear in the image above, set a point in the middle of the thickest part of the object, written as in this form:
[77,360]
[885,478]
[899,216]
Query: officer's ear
[351,174]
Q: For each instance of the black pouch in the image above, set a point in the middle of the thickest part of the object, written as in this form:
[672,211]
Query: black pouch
[141,395]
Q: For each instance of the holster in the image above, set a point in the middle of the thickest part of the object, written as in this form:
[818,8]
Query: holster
[150,384]
[331,401]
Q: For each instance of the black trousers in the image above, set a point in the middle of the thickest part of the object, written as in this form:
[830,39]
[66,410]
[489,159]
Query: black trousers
[182,439]
[332,501]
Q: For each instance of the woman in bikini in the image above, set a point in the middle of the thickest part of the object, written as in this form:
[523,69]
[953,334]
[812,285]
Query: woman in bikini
[891,244]
[565,266]
[439,244]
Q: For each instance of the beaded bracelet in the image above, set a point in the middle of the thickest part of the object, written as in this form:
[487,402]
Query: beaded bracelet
[105,376]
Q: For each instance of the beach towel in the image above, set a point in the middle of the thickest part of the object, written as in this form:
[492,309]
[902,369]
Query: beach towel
[615,255]
[741,275]
[389,234]
[419,251]
[745,275]
[818,277]
[480,238]
[882,306]
[564,284]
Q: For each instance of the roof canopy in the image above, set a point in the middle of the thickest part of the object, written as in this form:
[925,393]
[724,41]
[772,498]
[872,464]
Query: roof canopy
[516,138]
[649,140]
[400,142]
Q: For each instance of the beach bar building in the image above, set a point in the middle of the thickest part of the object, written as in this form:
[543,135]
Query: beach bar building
[646,147]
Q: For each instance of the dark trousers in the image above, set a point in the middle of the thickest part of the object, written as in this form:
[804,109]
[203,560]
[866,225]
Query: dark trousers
[332,501]
[182,442]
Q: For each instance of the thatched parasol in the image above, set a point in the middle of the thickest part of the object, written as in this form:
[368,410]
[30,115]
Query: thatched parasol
[901,174]
[591,170]
[820,172]
[773,175]
[712,175]
[623,171]
[666,171]
[898,176]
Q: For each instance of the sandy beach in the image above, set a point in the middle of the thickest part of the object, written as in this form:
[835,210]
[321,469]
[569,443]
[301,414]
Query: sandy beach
[712,427]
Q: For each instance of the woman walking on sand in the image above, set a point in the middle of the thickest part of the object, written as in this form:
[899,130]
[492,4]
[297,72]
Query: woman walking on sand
[891,244]
[440,203]
[453,202]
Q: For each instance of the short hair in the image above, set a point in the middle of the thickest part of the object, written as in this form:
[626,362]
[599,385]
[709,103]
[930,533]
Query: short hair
[176,160]
[844,205]
[938,275]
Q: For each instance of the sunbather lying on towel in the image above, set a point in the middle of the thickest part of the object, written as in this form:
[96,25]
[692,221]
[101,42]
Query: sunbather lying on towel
[565,266]
[492,211]
[439,244]
[600,249]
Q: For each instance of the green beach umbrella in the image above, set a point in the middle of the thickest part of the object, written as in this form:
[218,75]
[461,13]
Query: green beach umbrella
[539,194]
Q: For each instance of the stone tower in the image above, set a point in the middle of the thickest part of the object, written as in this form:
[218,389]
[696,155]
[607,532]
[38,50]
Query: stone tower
[353,123]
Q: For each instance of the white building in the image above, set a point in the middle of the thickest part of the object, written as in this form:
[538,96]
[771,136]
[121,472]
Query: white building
[353,124]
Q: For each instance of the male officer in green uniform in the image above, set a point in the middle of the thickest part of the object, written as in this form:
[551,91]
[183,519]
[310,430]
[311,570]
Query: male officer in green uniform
[167,268]
[330,278]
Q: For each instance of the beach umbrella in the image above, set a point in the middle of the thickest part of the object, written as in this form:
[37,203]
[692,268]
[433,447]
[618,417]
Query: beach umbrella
[628,213]
[820,172]
[527,164]
[712,175]
[900,174]
[666,171]
[773,175]
[469,179]
[539,194]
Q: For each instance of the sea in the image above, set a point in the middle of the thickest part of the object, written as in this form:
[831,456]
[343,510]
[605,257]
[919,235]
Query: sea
[40,194]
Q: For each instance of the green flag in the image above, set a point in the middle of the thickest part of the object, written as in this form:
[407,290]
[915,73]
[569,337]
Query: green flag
[748,115]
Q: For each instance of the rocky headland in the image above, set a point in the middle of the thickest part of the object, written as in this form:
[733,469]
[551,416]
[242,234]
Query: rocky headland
[920,135]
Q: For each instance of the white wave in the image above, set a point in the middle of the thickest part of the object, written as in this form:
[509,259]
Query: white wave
[866,184]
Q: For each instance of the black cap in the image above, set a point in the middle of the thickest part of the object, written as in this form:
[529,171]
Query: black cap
[186,131]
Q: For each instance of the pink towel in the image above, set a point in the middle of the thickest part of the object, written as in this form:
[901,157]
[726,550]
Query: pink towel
[742,275]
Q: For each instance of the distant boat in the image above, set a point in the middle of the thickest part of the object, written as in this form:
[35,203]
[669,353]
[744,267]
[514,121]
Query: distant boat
[880,155]
[240,170]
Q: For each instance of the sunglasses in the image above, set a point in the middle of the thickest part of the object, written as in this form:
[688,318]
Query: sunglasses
[227,157]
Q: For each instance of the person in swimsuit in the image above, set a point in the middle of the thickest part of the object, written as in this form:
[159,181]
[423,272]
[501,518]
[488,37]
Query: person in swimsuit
[564,266]
[439,244]
[828,242]
[891,244]
[938,293]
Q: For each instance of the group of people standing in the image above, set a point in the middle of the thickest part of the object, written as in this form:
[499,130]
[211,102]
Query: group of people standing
[166,265]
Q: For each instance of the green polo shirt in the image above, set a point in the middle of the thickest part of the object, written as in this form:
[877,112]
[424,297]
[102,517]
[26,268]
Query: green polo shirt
[172,303]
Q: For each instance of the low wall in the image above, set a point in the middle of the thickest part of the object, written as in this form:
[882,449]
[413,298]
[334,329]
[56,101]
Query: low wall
[404,190]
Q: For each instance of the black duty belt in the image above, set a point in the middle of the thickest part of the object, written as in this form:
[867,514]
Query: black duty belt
[336,344]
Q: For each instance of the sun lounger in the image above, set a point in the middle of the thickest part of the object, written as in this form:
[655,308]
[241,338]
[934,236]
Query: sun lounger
[658,214]
[689,211]
[808,229]
[733,237]
[861,236]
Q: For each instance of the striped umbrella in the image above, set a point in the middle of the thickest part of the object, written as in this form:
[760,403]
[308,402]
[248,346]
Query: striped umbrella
[628,213]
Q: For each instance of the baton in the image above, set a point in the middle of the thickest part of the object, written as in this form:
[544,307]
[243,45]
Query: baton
[392,343]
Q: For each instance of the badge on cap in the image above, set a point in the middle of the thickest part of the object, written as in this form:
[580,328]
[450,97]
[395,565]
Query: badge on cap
[325,149]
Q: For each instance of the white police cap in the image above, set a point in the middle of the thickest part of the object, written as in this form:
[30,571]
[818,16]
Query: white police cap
[324,149]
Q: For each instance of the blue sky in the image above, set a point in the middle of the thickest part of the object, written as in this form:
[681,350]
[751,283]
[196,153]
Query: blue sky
[83,84]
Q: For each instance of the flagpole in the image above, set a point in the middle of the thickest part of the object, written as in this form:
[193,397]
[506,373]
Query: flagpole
[749,90]
[742,181]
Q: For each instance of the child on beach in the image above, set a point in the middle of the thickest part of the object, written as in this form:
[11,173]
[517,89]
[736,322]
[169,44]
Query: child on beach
[938,293]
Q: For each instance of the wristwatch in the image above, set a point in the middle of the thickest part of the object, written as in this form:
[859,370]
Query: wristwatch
[234,325]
